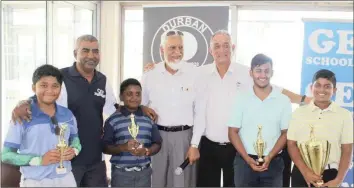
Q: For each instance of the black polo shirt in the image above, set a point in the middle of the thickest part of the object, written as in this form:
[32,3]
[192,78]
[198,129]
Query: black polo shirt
[88,102]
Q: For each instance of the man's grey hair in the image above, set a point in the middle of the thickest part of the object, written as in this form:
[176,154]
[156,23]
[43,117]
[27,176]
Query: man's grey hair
[219,32]
[89,38]
[171,33]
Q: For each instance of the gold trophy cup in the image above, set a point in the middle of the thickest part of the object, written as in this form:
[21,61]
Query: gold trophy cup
[134,129]
[61,146]
[259,146]
[315,154]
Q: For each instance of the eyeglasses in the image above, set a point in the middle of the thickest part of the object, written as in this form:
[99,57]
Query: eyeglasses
[54,121]
[174,32]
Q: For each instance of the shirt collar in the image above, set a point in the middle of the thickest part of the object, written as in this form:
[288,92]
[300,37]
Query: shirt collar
[126,112]
[332,107]
[161,68]
[73,72]
[272,94]
[36,111]
[214,69]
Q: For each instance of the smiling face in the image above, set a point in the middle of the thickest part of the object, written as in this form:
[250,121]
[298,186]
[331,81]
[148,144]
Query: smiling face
[47,89]
[221,48]
[261,75]
[323,90]
[131,97]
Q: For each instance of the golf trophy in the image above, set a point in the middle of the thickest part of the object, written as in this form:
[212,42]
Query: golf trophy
[61,146]
[259,146]
[315,154]
[134,129]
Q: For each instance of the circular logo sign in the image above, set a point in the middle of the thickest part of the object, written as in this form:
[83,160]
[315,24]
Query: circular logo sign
[196,36]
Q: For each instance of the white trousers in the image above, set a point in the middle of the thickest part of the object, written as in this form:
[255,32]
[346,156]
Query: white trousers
[66,181]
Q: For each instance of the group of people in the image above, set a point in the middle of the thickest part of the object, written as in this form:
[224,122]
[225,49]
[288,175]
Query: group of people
[210,115]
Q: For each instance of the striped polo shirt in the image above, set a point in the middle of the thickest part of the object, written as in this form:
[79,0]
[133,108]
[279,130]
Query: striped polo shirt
[116,132]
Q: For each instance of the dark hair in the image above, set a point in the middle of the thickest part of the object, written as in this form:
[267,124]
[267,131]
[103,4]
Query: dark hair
[128,82]
[327,74]
[47,70]
[260,59]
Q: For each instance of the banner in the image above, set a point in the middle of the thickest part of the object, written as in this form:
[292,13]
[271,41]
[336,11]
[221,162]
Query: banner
[198,23]
[329,45]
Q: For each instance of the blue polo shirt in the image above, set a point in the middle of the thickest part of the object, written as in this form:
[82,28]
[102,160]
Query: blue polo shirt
[273,113]
[37,137]
[116,132]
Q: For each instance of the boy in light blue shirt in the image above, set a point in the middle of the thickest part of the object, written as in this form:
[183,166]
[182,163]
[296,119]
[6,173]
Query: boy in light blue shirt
[260,106]
[32,145]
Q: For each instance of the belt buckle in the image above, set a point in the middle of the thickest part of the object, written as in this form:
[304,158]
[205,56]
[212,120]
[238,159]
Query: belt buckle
[222,144]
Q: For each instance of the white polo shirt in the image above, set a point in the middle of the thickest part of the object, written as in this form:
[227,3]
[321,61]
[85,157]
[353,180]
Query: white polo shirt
[172,96]
[214,104]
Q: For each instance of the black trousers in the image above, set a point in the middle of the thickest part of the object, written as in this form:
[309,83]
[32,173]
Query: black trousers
[91,175]
[297,180]
[214,158]
[287,167]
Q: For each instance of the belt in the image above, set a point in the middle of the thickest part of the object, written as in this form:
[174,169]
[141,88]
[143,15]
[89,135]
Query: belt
[134,168]
[173,128]
[217,143]
[331,166]
[256,156]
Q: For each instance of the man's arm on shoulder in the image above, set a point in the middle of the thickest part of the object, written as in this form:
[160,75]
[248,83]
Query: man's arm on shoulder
[295,98]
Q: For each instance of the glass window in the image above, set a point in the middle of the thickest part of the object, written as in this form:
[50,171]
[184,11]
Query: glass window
[24,49]
[69,22]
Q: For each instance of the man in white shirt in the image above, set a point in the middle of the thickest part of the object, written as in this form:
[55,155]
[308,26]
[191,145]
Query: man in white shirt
[169,90]
[222,80]
[218,83]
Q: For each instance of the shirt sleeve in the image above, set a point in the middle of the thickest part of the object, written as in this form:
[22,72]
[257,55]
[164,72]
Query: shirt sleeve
[108,134]
[200,104]
[291,133]
[347,136]
[286,115]
[63,97]
[109,108]
[236,112]
[155,135]
[145,90]
[74,137]
[14,136]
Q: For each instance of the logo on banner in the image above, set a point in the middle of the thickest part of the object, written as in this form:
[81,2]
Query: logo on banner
[196,34]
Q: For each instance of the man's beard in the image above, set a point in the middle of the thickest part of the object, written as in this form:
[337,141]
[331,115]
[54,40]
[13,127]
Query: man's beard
[175,65]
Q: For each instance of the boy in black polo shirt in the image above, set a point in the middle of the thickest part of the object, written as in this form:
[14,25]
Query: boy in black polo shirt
[131,158]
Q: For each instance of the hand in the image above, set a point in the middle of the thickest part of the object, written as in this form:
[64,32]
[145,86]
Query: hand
[148,152]
[266,163]
[333,183]
[22,112]
[150,112]
[131,145]
[253,164]
[51,157]
[148,67]
[311,178]
[193,154]
[69,154]
[140,151]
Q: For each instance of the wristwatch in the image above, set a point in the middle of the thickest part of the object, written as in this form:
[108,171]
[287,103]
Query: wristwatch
[302,102]
[194,146]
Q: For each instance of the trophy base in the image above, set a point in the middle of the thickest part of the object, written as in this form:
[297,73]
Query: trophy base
[260,162]
[61,170]
[320,183]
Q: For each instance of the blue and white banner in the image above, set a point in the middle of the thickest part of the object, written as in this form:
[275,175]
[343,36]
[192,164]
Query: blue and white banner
[329,45]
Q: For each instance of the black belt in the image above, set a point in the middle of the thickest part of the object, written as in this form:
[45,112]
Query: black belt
[173,128]
[216,143]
